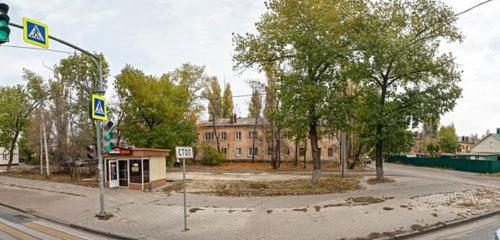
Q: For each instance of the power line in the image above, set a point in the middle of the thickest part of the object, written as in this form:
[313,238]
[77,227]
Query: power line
[40,49]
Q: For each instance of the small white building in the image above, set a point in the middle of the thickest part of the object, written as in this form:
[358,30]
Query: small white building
[4,156]
[488,145]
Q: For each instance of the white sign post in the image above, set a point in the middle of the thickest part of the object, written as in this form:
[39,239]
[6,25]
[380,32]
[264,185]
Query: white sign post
[184,153]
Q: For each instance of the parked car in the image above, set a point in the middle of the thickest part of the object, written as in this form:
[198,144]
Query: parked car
[367,160]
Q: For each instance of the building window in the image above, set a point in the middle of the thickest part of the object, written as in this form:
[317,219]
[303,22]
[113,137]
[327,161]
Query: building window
[224,150]
[252,135]
[253,151]
[287,151]
[302,151]
[237,152]
[319,150]
[223,135]
[238,135]
[330,152]
[269,150]
[209,136]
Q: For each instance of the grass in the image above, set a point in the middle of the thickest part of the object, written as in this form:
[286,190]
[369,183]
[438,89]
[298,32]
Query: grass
[373,181]
[175,186]
[286,187]
[365,200]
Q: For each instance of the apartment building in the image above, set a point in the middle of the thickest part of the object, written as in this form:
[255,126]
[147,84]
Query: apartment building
[236,137]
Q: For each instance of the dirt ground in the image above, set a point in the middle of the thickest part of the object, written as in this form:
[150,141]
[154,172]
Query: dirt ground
[61,177]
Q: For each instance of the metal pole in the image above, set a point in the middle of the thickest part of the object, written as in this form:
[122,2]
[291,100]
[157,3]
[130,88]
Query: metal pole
[102,212]
[184,186]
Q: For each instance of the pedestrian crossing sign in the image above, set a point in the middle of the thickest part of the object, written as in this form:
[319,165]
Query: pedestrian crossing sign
[99,108]
[35,33]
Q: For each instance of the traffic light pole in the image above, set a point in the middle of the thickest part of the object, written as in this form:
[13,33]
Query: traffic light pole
[101,91]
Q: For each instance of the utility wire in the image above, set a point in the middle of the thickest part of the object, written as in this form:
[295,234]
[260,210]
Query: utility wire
[34,48]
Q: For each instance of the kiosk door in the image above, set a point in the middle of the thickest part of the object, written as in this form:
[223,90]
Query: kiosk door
[113,174]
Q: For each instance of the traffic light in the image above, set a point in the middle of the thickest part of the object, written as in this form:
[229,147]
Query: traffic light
[91,152]
[108,132]
[4,23]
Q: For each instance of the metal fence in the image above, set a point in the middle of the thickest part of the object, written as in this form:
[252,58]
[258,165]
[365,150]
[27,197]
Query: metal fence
[457,163]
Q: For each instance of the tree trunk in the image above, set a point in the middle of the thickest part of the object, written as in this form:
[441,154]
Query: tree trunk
[380,142]
[215,134]
[12,148]
[253,139]
[296,152]
[278,148]
[313,134]
[357,159]
[305,153]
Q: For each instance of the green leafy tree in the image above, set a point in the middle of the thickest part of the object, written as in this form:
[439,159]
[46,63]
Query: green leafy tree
[254,111]
[448,140]
[227,102]
[156,111]
[407,78]
[215,105]
[306,41]
[75,79]
[17,103]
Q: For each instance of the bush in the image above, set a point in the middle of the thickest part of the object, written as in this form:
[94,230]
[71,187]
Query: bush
[211,156]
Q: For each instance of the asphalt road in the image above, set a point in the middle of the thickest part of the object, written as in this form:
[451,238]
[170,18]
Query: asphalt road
[15,225]
[478,230]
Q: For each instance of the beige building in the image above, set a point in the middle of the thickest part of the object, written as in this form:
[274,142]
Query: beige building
[236,139]
[488,145]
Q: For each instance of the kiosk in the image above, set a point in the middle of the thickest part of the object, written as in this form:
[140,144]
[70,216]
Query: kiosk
[138,168]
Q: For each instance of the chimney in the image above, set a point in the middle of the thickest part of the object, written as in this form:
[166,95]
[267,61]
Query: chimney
[234,117]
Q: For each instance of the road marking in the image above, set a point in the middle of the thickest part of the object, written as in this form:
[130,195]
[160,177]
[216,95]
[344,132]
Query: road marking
[27,230]
[51,231]
[15,233]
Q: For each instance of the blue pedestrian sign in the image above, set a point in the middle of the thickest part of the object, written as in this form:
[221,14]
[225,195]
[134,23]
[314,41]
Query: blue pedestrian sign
[99,108]
[35,33]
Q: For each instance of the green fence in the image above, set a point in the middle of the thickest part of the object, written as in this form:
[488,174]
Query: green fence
[457,163]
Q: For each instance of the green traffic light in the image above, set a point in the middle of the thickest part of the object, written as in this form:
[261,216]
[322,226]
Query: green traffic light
[4,23]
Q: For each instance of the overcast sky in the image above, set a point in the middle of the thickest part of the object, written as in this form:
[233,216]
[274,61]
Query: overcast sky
[158,36]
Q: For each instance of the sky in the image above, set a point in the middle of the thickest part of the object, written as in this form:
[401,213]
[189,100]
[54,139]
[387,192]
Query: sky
[157,36]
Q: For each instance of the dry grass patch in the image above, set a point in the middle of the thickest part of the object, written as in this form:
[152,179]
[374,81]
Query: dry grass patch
[373,181]
[286,187]
[54,177]
[265,166]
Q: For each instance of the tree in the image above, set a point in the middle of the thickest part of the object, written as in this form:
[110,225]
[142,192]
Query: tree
[271,114]
[227,102]
[75,79]
[306,41]
[215,105]
[156,111]
[17,103]
[406,77]
[254,111]
[448,140]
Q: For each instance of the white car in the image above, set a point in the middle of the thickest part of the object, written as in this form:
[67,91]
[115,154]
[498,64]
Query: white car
[496,235]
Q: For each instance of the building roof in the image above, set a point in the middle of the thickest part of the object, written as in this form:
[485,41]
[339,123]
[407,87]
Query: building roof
[229,122]
[497,137]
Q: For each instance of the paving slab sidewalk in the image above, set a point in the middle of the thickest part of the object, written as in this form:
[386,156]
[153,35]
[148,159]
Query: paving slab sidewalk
[405,205]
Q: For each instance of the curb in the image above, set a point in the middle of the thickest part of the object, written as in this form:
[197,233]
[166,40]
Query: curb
[102,233]
[444,225]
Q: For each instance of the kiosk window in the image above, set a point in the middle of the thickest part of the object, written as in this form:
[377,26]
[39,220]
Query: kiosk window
[135,171]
